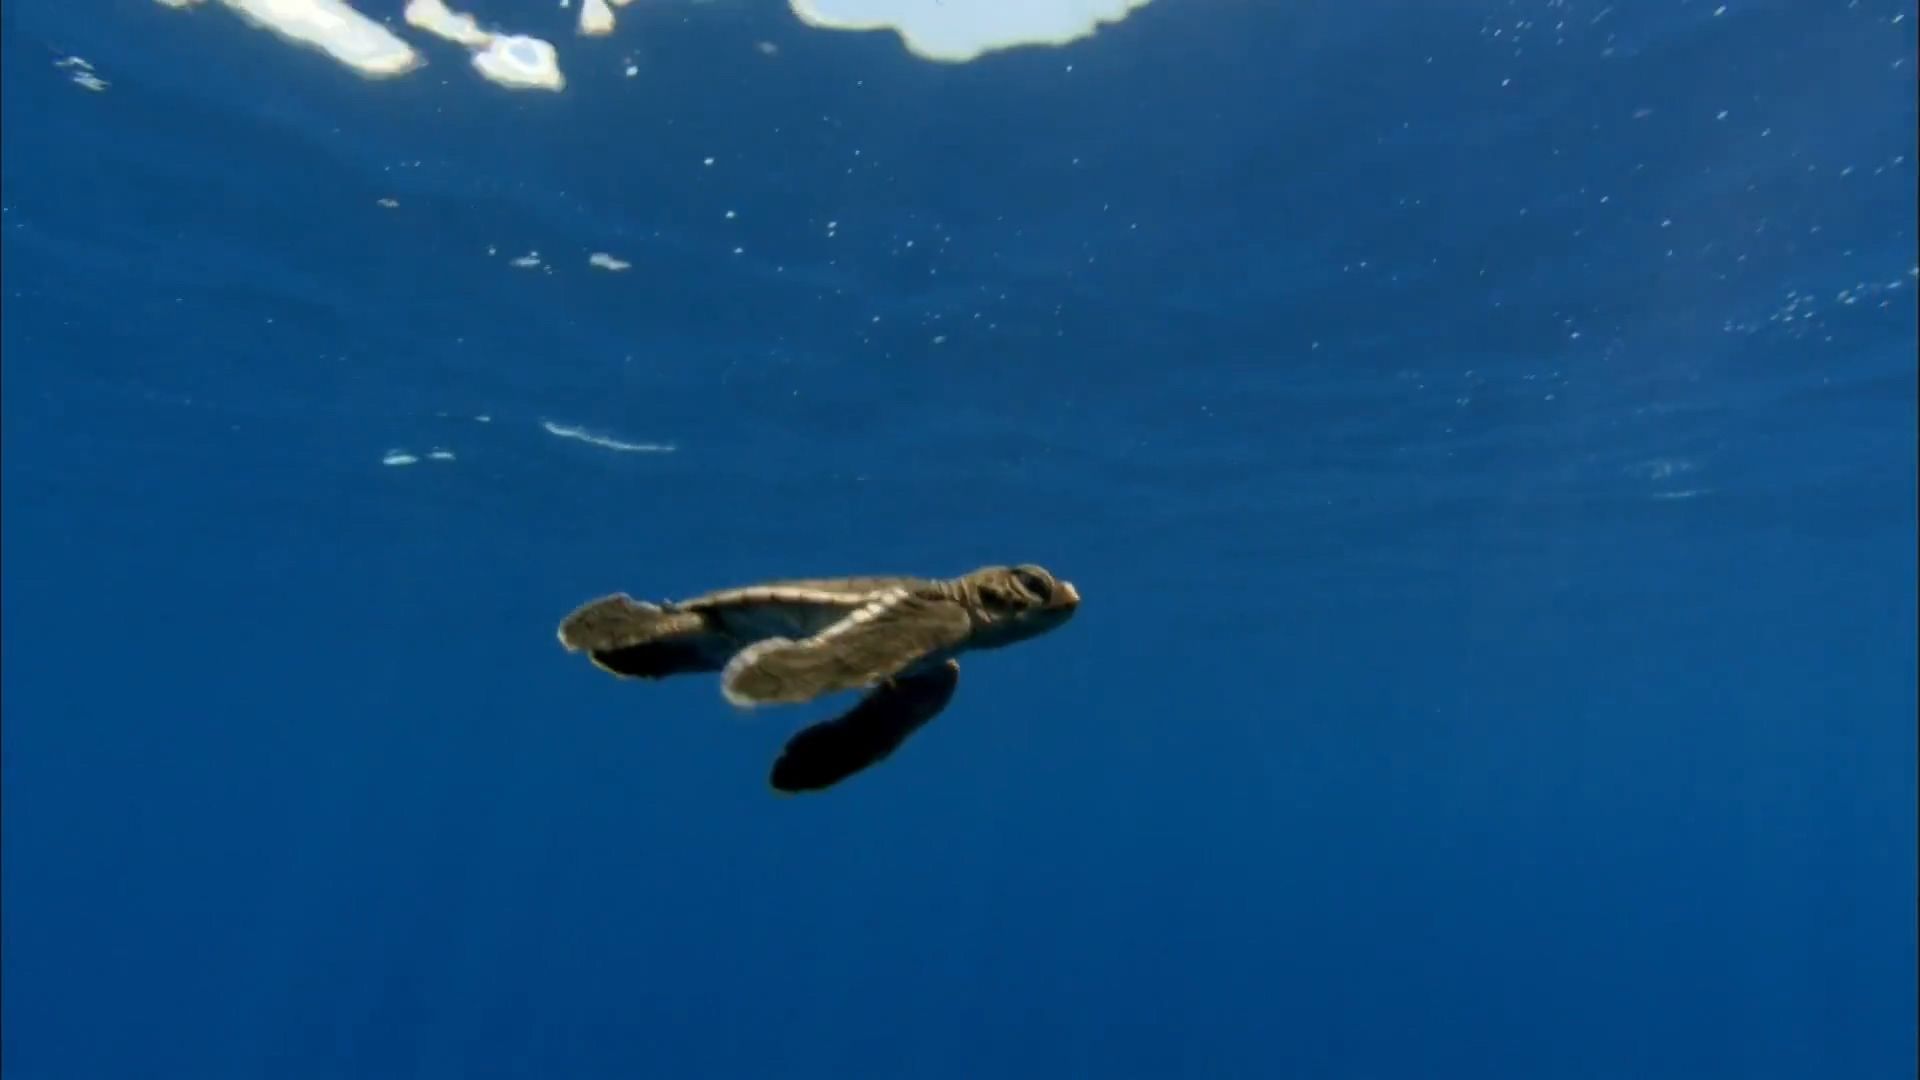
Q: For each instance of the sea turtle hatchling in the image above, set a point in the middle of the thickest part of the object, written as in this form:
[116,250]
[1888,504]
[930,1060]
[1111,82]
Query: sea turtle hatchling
[791,641]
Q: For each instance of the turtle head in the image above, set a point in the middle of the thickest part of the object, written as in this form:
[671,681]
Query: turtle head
[1014,603]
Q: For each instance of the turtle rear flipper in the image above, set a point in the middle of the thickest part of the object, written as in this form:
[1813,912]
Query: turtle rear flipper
[641,640]
[832,750]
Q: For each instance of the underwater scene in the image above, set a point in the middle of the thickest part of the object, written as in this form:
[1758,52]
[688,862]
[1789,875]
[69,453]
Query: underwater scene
[1107,539]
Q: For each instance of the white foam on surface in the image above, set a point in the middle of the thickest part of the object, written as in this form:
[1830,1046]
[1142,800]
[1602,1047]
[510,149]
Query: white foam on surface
[521,62]
[954,32]
[569,431]
[399,457]
[964,30]
[437,19]
[596,18]
[332,27]
[607,262]
[81,72]
[516,61]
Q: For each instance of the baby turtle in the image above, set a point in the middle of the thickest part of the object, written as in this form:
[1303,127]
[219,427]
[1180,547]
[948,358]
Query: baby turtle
[790,641]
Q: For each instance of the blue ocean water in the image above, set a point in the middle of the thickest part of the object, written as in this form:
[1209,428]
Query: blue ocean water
[1483,433]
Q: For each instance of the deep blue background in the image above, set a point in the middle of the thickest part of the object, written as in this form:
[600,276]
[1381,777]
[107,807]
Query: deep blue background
[1490,471]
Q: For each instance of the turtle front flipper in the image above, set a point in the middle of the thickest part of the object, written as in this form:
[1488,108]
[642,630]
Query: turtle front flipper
[832,750]
[884,638]
[639,640]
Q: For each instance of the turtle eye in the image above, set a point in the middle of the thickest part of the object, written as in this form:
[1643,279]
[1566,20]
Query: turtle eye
[1034,582]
